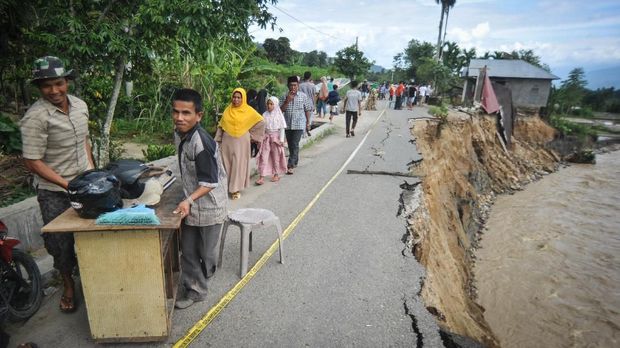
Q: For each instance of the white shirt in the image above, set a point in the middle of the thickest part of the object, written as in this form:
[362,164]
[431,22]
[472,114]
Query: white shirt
[353,99]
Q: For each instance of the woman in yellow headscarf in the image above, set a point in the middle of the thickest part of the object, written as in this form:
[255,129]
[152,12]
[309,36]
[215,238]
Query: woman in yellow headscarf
[240,125]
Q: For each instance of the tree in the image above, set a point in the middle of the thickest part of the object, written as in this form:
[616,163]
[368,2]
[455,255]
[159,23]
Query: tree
[573,89]
[279,51]
[445,28]
[435,73]
[466,56]
[351,62]
[322,59]
[529,56]
[409,60]
[451,56]
[311,58]
[445,7]
[522,54]
[101,39]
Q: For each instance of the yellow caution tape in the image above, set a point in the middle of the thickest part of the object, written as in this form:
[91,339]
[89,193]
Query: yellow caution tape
[201,324]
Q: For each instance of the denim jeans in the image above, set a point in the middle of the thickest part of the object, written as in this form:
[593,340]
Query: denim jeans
[293,136]
[321,107]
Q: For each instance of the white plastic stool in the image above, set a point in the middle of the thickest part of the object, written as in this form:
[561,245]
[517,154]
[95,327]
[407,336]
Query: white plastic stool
[246,219]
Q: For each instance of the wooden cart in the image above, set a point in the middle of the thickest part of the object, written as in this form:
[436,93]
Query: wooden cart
[129,274]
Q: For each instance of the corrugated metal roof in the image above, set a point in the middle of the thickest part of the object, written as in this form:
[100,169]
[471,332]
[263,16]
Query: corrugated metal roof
[513,68]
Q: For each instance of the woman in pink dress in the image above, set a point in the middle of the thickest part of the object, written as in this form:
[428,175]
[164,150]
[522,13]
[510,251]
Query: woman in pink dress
[271,159]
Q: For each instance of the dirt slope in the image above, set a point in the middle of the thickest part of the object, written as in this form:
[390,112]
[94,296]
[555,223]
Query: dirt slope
[464,166]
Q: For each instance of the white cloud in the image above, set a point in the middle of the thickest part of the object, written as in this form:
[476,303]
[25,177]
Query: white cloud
[459,35]
[481,30]
[563,32]
[467,37]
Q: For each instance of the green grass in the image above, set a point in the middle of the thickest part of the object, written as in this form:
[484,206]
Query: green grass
[143,131]
[566,127]
[603,129]
[319,137]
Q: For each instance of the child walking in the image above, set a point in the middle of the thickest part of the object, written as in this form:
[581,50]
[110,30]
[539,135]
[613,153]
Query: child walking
[332,99]
[271,159]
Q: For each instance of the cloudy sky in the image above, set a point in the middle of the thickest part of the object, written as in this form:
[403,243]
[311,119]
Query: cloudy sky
[566,34]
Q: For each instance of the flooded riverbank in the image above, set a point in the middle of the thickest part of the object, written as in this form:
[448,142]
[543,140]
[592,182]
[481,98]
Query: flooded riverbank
[548,272]
[464,166]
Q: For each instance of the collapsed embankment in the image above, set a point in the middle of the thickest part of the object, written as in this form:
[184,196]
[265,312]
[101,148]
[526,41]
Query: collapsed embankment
[464,166]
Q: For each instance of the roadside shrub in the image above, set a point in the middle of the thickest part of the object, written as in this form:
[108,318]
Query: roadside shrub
[440,112]
[155,152]
[10,136]
[584,112]
[566,127]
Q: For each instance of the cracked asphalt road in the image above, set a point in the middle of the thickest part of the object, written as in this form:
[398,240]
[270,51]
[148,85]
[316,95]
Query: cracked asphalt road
[348,278]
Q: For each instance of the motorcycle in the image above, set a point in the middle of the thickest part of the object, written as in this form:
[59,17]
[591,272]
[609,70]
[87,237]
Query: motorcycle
[20,280]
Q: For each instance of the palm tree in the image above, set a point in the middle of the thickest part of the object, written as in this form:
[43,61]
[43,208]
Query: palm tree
[498,55]
[466,56]
[450,4]
[450,55]
[445,8]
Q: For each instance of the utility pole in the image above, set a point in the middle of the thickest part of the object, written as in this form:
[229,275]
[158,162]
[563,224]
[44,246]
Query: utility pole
[356,44]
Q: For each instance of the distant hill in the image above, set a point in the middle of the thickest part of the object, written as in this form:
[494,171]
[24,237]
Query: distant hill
[376,68]
[609,77]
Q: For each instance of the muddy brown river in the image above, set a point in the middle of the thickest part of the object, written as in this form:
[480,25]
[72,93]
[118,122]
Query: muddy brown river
[548,272]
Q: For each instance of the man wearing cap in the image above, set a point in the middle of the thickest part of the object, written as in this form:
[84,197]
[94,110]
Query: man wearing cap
[296,107]
[56,149]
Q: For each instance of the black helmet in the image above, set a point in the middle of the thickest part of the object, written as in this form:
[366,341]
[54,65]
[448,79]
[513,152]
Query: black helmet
[95,192]
[129,173]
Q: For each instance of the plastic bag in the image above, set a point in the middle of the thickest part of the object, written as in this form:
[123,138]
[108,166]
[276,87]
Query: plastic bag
[282,135]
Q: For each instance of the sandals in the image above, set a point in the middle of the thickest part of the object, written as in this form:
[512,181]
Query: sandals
[260,181]
[28,345]
[275,178]
[69,304]
[289,171]
[352,133]
[235,195]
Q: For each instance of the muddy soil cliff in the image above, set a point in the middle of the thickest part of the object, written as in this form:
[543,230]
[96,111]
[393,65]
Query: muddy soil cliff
[464,166]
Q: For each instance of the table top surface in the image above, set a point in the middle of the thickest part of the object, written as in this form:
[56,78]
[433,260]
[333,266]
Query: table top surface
[69,221]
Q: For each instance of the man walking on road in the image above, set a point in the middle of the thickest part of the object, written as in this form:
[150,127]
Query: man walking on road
[56,149]
[353,108]
[296,108]
[400,91]
[308,88]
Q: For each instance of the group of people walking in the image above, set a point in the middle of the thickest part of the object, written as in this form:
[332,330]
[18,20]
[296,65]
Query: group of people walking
[212,168]
[409,94]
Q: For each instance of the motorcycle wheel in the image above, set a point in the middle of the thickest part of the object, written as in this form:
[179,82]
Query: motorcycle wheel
[27,300]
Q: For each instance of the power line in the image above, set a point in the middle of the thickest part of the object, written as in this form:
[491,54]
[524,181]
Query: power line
[307,25]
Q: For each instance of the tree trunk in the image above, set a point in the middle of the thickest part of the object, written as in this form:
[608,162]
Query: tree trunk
[104,154]
[445,28]
[438,53]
